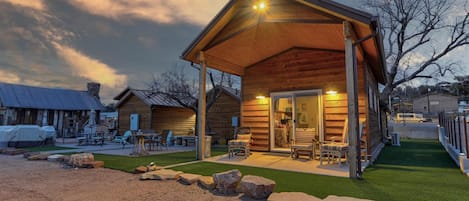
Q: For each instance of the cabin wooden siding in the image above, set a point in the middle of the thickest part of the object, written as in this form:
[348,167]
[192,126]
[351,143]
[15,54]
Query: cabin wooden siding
[220,114]
[180,120]
[298,69]
[374,134]
[133,105]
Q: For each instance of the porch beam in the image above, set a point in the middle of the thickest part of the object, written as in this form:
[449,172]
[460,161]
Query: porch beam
[201,107]
[352,97]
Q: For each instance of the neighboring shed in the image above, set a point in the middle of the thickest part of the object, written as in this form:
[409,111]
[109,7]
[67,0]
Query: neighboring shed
[221,113]
[67,110]
[154,111]
[432,104]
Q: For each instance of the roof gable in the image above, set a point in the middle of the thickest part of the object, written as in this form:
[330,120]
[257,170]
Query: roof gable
[239,37]
[148,97]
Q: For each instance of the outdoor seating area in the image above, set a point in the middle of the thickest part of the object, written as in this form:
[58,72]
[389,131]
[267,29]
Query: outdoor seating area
[283,161]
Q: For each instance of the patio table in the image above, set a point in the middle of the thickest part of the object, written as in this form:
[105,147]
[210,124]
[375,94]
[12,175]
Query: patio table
[139,146]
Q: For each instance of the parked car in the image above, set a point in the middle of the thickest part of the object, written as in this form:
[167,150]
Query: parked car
[409,118]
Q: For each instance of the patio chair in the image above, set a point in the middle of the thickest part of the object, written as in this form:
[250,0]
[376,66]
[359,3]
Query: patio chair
[163,138]
[123,139]
[242,142]
[337,147]
[304,143]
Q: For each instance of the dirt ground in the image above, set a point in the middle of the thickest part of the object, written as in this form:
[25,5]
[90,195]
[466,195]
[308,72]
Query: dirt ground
[41,180]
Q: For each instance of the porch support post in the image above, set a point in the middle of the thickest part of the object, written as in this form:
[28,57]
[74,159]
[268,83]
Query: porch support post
[352,97]
[201,107]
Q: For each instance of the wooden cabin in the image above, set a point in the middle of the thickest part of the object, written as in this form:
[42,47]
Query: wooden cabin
[221,113]
[152,112]
[66,109]
[305,66]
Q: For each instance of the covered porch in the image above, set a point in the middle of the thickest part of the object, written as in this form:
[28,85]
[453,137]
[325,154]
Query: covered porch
[283,161]
[289,54]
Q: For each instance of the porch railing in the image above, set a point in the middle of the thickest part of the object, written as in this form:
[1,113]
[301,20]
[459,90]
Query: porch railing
[455,131]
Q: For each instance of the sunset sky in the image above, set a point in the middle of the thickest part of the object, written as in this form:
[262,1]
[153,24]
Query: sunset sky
[56,43]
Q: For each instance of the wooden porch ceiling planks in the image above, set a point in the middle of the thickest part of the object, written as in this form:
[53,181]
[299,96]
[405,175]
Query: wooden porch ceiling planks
[267,39]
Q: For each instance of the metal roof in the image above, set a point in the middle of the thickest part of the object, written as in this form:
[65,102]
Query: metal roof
[155,98]
[21,96]
[148,97]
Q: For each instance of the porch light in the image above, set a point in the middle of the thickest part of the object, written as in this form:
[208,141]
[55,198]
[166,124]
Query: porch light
[260,97]
[259,6]
[331,92]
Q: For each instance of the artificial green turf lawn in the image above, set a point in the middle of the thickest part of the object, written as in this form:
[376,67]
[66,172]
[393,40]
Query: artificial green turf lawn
[418,170]
[128,164]
[46,148]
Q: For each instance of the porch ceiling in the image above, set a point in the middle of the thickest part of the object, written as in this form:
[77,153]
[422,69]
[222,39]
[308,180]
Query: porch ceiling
[267,39]
[239,36]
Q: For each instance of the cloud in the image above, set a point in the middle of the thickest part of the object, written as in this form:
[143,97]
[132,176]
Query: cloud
[9,77]
[34,4]
[161,11]
[90,68]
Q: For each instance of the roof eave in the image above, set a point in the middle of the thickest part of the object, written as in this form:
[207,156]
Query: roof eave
[207,29]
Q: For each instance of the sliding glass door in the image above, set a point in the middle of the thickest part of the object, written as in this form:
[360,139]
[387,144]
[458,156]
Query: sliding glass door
[293,112]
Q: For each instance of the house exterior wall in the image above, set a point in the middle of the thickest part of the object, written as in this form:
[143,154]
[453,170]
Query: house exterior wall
[373,130]
[180,120]
[438,103]
[219,117]
[133,105]
[298,69]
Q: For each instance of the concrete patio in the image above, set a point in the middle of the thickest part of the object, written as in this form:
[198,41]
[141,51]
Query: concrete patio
[283,161]
[112,148]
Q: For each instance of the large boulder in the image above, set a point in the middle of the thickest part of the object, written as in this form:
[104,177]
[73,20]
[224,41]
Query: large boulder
[207,182]
[226,182]
[93,164]
[343,198]
[38,157]
[77,160]
[140,169]
[257,187]
[13,151]
[287,196]
[28,154]
[55,158]
[189,179]
[163,174]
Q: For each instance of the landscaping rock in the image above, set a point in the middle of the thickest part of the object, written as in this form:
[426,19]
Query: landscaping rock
[226,182]
[287,196]
[189,179]
[163,174]
[207,182]
[13,151]
[140,169]
[38,157]
[78,159]
[93,164]
[343,198]
[28,154]
[154,167]
[257,187]
[55,158]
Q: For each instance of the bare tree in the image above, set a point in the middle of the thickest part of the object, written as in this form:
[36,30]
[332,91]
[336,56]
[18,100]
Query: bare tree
[177,86]
[418,34]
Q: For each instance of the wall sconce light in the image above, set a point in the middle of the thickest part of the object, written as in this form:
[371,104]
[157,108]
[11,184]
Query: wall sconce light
[331,92]
[260,97]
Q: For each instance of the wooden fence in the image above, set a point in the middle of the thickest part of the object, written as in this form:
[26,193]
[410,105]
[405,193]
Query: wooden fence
[456,127]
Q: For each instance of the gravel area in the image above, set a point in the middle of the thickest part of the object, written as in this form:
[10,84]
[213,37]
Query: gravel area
[41,180]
